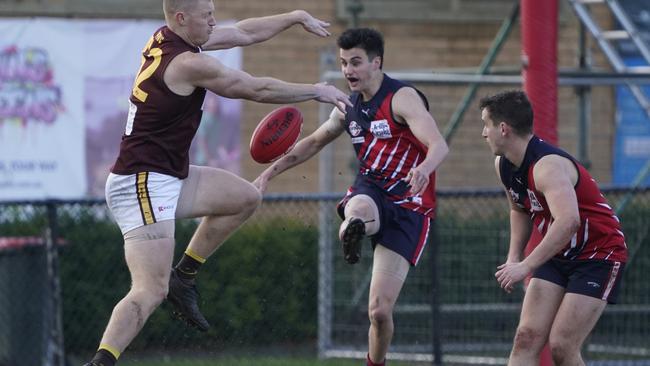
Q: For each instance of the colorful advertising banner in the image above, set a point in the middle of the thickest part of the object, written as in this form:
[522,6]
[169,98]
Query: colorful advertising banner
[64,88]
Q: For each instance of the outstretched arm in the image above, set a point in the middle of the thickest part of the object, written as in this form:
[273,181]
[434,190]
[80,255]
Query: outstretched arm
[191,70]
[304,149]
[256,30]
[409,108]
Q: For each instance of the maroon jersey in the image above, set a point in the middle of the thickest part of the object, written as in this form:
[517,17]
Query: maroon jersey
[388,150]
[161,123]
[599,235]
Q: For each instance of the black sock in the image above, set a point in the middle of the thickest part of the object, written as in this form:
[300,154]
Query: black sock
[104,358]
[187,267]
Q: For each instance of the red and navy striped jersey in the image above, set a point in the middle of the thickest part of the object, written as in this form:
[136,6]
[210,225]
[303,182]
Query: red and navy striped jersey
[599,235]
[161,123]
[387,150]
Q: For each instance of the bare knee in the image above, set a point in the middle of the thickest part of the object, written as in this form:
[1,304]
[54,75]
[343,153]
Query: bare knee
[380,314]
[562,350]
[141,303]
[528,340]
[363,206]
[251,200]
[149,296]
[559,352]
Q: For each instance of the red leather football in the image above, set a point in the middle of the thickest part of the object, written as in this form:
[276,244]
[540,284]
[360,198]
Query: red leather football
[276,134]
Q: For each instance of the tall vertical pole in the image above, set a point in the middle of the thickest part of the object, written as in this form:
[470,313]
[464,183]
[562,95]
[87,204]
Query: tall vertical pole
[584,101]
[54,351]
[539,58]
[326,210]
[354,7]
[325,227]
[436,319]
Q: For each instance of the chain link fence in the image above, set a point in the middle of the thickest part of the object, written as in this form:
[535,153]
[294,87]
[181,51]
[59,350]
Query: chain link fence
[262,286]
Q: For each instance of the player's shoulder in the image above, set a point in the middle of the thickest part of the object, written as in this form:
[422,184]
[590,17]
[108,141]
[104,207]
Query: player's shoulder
[406,91]
[550,162]
[195,64]
[408,100]
[552,169]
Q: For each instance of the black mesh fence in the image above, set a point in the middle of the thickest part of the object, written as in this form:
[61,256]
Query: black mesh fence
[261,287]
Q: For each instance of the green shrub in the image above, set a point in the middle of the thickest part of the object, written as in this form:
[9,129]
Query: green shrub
[258,288]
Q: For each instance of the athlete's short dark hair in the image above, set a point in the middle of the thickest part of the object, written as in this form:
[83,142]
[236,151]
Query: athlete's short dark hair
[368,39]
[511,107]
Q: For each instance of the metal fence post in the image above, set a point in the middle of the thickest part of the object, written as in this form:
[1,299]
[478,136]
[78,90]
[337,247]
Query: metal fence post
[436,326]
[54,350]
[325,228]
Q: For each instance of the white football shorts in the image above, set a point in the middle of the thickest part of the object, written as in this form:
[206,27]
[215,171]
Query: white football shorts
[141,199]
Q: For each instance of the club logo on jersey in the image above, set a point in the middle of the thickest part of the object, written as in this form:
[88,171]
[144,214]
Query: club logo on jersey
[355,129]
[380,129]
[514,195]
[534,203]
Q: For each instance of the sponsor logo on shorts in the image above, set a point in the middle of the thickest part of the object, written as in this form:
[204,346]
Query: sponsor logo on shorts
[165,208]
[593,284]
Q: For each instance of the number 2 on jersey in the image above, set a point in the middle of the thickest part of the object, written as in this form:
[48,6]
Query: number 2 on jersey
[146,73]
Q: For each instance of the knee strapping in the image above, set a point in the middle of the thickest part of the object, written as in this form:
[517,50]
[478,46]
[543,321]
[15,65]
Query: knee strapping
[389,263]
[158,230]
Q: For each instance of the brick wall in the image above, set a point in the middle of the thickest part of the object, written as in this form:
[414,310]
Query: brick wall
[418,45]
[295,56]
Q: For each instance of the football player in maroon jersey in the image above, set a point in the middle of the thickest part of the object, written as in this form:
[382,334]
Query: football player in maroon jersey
[152,183]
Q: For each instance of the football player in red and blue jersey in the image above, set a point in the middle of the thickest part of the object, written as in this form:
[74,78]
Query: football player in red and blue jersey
[578,264]
[392,199]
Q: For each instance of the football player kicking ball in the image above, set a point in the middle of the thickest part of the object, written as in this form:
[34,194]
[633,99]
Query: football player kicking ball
[392,200]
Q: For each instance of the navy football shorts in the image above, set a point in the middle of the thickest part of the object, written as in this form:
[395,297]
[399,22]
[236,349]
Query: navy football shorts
[401,230]
[595,278]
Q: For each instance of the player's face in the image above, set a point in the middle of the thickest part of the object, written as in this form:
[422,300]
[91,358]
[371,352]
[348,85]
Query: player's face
[357,69]
[200,21]
[491,132]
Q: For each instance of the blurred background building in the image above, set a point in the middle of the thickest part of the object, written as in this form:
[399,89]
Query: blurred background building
[280,280]
[432,36]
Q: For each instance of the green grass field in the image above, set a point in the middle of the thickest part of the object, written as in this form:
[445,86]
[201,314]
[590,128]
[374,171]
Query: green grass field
[287,355]
[264,361]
